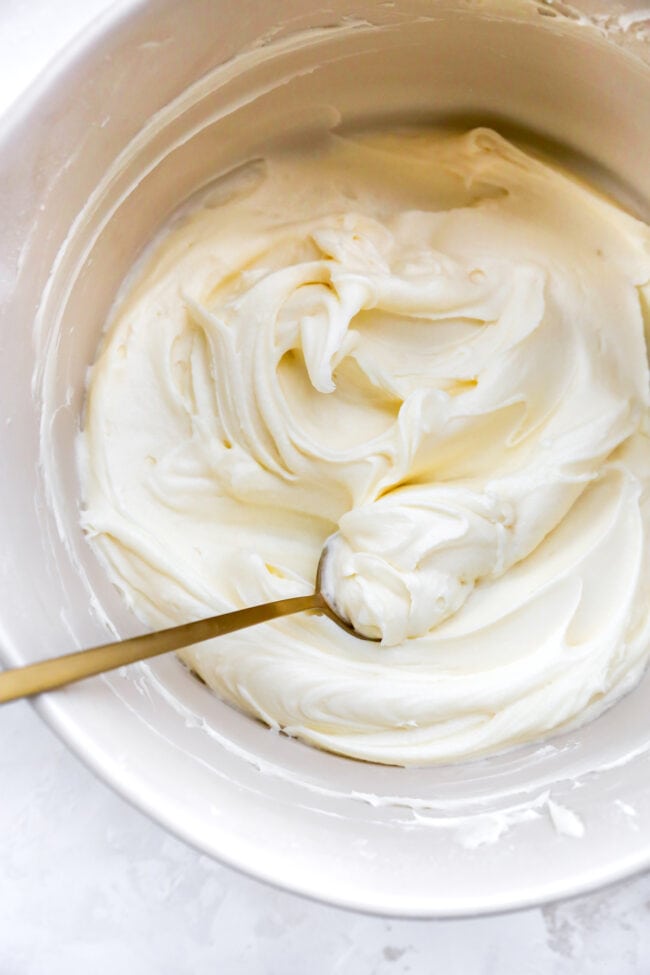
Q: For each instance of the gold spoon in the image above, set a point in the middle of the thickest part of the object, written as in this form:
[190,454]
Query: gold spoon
[50,674]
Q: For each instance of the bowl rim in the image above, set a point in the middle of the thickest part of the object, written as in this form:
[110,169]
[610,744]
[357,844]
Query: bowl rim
[53,711]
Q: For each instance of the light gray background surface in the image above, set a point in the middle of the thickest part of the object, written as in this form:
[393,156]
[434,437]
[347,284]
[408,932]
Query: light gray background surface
[89,885]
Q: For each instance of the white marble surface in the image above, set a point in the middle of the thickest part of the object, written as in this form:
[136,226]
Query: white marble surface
[87,884]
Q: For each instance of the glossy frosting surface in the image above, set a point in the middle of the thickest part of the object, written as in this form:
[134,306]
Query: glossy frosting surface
[432,343]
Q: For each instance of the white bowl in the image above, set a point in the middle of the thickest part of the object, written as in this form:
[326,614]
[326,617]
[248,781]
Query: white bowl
[144,110]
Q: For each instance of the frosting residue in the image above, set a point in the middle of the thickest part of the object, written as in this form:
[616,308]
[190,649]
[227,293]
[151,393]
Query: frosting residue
[433,345]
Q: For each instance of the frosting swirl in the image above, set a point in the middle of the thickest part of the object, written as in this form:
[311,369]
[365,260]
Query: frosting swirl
[433,345]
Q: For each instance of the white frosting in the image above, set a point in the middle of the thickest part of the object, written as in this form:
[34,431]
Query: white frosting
[434,344]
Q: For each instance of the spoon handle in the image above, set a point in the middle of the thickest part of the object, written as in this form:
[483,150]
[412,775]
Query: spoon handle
[49,674]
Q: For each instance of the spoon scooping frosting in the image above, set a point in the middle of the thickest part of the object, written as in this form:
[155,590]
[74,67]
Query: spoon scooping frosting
[55,672]
[430,345]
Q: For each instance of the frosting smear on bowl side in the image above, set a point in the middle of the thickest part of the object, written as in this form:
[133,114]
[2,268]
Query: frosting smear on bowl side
[432,344]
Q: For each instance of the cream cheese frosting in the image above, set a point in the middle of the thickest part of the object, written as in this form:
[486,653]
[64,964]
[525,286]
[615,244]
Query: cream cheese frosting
[431,343]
